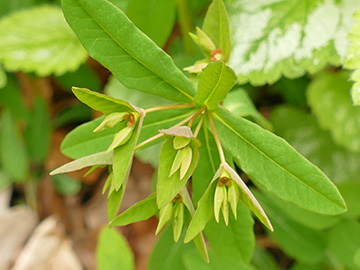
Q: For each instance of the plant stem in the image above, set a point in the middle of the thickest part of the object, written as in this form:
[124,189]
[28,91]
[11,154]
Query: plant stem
[185,26]
[162,134]
[168,107]
[197,130]
[217,140]
[30,194]
[195,115]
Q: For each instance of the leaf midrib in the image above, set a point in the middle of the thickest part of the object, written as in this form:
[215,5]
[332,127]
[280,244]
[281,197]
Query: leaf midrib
[143,64]
[217,84]
[273,161]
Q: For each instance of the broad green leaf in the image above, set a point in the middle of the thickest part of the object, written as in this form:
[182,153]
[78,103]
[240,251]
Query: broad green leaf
[296,240]
[304,266]
[239,103]
[344,243]
[215,82]
[123,157]
[39,40]
[351,194]
[74,113]
[113,251]
[37,134]
[352,59]
[328,96]
[102,103]
[82,141]
[273,164]
[193,261]
[66,185]
[139,211]
[168,187]
[14,159]
[236,241]
[114,41]
[168,255]
[216,26]
[5,180]
[287,37]
[155,18]
[12,99]
[149,155]
[3,78]
[116,89]
[102,158]
[303,132]
[262,259]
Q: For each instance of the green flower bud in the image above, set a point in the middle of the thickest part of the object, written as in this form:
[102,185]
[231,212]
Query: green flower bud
[164,216]
[121,138]
[233,197]
[180,142]
[178,220]
[182,161]
[111,120]
[219,197]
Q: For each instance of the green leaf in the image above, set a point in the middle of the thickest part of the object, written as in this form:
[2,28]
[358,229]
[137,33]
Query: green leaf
[5,180]
[113,251]
[344,243]
[286,37]
[328,96]
[296,240]
[216,26]
[37,134]
[166,254]
[66,185]
[14,159]
[304,266]
[193,261]
[236,241]
[39,40]
[74,113]
[351,194]
[155,18]
[262,259]
[123,157]
[99,102]
[273,164]
[139,211]
[82,141]
[102,158]
[116,89]
[215,82]
[3,78]
[239,103]
[115,198]
[352,59]
[168,187]
[114,42]
[303,132]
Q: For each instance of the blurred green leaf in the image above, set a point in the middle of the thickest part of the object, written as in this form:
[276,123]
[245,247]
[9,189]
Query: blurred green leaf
[3,78]
[239,103]
[155,18]
[5,180]
[303,266]
[235,242]
[7,7]
[116,89]
[37,134]
[295,239]
[262,259]
[293,91]
[328,96]
[351,194]
[11,98]
[83,76]
[268,42]
[14,159]
[39,40]
[283,171]
[113,251]
[149,155]
[146,67]
[215,81]
[303,132]
[352,59]
[72,114]
[344,243]
[66,185]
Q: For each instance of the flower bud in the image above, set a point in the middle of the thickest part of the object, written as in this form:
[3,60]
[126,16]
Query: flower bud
[111,120]
[233,197]
[178,220]
[182,161]
[219,197]
[121,138]
[164,216]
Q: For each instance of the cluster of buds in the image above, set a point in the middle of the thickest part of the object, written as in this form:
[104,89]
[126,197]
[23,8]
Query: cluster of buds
[226,192]
[183,156]
[216,55]
[124,134]
[175,211]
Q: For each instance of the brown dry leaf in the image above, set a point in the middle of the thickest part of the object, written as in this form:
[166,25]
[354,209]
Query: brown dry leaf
[48,249]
